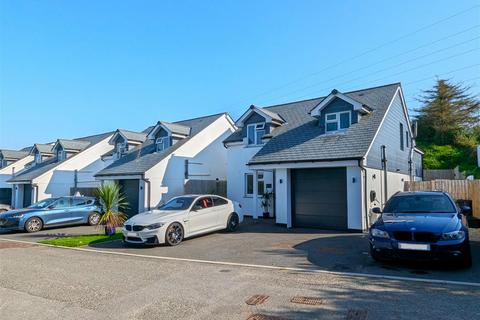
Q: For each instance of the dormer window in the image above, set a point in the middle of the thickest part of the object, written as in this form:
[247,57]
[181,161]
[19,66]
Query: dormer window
[337,121]
[161,143]
[121,149]
[38,157]
[255,132]
[61,155]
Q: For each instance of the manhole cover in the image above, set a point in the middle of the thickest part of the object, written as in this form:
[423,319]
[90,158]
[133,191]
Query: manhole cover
[9,245]
[307,300]
[256,300]
[260,316]
[357,314]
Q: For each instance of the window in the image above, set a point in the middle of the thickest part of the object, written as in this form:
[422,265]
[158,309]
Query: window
[337,121]
[79,202]
[122,147]
[219,201]
[203,203]
[177,204]
[407,139]
[38,157]
[3,163]
[61,155]
[249,184]
[255,132]
[162,143]
[62,203]
[260,187]
[402,147]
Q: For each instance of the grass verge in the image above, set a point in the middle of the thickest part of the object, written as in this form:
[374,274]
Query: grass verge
[82,240]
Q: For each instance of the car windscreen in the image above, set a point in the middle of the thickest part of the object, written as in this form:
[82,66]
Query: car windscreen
[420,204]
[42,204]
[180,203]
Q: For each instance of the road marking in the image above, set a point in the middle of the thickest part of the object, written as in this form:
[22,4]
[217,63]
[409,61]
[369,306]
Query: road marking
[257,266]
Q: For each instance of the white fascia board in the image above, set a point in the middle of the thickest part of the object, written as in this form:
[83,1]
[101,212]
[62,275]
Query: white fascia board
[356,105]
[119,177]
[251,110]
[302,165]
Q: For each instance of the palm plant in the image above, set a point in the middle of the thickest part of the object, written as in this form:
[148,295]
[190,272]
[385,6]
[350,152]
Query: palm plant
[112,202]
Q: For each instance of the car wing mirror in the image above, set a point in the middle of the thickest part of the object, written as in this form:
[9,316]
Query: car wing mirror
[466,210]
[377,210]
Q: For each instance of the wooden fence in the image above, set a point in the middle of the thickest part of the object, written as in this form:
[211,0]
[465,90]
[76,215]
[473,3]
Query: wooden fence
[458,189]
[218,187]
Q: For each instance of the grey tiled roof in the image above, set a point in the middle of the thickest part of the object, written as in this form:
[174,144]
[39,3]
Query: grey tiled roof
[133,136]
[77,145]
[13,154]
[176,127]
[43,148]
[272,114]
[300,138]
[38,169]
[143,157]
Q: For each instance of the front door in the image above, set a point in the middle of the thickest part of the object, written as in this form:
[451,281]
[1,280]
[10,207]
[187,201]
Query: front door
[202,217]
[27,195]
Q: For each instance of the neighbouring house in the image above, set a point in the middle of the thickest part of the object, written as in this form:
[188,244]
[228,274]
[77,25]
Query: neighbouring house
[327,161]
[60,169]
[11,162]
[162,161]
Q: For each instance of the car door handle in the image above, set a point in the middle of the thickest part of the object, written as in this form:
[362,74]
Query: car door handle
[185,220]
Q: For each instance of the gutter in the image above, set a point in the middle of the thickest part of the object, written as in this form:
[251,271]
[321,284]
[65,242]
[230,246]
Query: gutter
[365,198]
[303,161]
[147,183]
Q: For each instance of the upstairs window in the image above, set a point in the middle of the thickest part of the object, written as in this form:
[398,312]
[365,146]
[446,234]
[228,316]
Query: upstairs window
[61,155]
[38,157]
[3,163]
[162,143]
[255,132]
[337,121]
[402,146]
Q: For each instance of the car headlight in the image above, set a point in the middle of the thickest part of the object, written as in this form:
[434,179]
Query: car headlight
[455,235]
[17,215]
[379,233]
[154,226]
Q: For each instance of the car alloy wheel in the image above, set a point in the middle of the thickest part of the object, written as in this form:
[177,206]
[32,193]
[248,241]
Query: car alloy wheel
[174,234]
[33,224]
[93,219]
[233,222]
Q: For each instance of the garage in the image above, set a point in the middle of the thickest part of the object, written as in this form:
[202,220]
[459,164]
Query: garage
[319,198]
[6,196]
[27,195]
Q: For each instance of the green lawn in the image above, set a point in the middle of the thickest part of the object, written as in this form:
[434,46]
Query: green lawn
[83,240]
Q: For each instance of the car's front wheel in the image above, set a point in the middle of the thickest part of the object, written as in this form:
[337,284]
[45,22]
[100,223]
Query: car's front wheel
[93,219]
[232,223]
[33,224]
[174,234]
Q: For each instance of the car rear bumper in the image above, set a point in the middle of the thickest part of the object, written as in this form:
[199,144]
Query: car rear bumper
[444,250]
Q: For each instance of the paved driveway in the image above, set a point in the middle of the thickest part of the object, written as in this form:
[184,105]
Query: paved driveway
[263,243]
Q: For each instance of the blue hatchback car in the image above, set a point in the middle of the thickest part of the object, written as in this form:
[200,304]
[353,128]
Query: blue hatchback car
[421,226]
[52,212]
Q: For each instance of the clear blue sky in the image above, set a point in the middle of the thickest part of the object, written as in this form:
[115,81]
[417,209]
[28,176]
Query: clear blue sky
[75,68]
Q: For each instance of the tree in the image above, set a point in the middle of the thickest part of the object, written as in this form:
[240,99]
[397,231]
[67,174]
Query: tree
[112,202]
[448,112]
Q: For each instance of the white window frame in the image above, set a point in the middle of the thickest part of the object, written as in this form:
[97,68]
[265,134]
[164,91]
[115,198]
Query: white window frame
[163,141]
[337,121]
[61,155]
[257,127]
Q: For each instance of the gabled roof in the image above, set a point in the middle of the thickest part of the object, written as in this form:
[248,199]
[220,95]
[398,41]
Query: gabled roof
[45,149]
[171,128]
[357,105]
[13,154]
[143,157]
[71,145]
[130,136]
[38,169]
[300,138]
[269,115]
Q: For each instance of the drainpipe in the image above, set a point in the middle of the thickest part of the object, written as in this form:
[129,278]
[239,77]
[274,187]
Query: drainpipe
[75,181]
[36,193]
[147,183]
[385,173]
[365,197]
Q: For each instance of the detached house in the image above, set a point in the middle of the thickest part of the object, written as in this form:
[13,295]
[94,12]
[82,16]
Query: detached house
[11,161]
[157,164]
[327,161]
[59,169]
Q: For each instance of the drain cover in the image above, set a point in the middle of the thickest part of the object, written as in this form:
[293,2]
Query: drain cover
[357,314]
[260,316]
[307,300]
[256,299]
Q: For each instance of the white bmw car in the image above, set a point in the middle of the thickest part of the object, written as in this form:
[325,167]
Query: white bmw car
[182,217]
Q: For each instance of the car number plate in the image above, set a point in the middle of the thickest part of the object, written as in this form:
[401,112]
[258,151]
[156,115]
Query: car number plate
[414,246]
[132,234]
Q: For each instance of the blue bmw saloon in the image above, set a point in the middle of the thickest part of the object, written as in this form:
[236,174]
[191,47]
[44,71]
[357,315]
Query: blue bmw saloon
[421,226]
[52,212]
